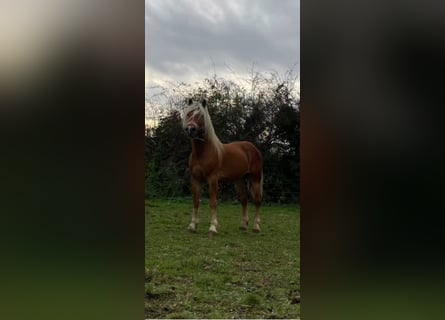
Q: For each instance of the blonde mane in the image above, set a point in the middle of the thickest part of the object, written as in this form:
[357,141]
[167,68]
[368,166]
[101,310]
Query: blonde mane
[209,132]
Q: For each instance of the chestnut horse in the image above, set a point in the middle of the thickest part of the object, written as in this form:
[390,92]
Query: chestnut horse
[213,161]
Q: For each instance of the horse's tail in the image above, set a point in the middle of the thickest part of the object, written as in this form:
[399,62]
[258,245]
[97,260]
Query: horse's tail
[256,172]
[255,186]
[261,185]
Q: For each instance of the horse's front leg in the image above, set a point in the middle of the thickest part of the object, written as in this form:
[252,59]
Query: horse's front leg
[196,189]
[213,190]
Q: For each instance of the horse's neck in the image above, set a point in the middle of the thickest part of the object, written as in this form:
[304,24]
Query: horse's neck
[199,148]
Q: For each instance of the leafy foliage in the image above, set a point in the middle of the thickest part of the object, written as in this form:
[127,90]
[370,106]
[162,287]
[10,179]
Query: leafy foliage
[267,115]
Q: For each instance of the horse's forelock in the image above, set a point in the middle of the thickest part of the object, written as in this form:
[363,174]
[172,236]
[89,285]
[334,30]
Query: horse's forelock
[190,111]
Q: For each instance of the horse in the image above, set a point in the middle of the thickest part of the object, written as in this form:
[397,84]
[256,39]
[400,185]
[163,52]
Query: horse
[212,161]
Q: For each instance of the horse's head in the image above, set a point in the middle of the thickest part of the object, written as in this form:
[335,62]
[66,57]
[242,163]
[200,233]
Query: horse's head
[194,119]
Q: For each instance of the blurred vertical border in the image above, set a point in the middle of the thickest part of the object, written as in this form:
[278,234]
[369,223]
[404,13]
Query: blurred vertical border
[372,159]
[72,159]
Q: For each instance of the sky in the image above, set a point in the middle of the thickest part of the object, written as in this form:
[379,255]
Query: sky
[190,40]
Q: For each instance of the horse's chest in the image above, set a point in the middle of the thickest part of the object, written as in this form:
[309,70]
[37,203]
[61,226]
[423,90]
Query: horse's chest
[197,172]
[201,171]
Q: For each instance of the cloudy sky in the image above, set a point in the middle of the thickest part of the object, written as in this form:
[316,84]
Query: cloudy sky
[189,40]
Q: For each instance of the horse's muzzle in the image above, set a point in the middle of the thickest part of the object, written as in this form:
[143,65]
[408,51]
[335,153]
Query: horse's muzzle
[193,132]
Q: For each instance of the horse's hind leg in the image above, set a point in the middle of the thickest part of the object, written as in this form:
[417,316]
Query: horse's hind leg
[196,189]
[257,195]
[241,192]
[213,191]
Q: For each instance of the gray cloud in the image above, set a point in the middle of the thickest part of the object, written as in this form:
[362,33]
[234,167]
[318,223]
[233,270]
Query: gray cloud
[185,40]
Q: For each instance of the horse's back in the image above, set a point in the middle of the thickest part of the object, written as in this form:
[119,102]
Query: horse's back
[249,148]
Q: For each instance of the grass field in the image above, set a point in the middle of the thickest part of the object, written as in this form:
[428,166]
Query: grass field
[235,275]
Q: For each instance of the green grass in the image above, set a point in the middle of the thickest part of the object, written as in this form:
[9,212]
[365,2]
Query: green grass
[234,275]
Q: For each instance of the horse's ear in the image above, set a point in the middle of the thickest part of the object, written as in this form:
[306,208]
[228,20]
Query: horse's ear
[204,103]
[190,101]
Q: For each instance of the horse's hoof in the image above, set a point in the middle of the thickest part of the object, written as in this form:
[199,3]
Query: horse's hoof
[191,230]
[212,234]
[256,230]
[242,228]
